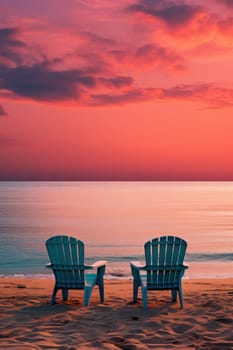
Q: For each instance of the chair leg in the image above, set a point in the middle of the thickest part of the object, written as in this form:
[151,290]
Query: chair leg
[87,295]
[181,297]
[100,281]
[53,298]
[101,291]
[65,294]
[135,291]
[144,297]
[174,295]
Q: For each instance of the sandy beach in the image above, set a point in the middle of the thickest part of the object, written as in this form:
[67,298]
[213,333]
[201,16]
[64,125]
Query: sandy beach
[28,321]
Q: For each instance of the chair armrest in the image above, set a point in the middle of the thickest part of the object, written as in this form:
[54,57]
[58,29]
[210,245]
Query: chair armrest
[137,265]
[136,269]
[183,269]
[71,267]
[98,264]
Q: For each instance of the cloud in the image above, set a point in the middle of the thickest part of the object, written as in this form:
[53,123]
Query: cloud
[92,80]
[41,83]
[180,20]
[9,45]
[8,38]
[2,111]
[171,13]
[147,56]
[98,40]
[43,79]
[208,95]
[226,2]
[113,55]
[159,55]
[51,80]
[116,82]
[125,97]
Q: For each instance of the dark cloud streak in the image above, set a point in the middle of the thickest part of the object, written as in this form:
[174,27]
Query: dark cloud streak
[210,95]
[226,2]
[9,45]
[159,55]
[173,14]
[117,82]
[41,83]
[2,111]
[8,38]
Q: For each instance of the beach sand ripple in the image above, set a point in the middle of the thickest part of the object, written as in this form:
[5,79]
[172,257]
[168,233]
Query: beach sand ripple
[28,321]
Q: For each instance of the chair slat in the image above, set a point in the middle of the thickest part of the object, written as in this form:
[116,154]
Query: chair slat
[169,253]
[162,258]
[148,259]
[154,260]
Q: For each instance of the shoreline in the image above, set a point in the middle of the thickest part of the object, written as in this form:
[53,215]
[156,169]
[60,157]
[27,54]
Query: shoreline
[120,276]
[28,321]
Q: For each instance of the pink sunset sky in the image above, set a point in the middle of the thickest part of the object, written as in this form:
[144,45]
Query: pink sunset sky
[116,90]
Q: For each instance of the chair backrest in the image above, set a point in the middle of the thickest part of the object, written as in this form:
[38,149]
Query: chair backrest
[66,256]
[164,259]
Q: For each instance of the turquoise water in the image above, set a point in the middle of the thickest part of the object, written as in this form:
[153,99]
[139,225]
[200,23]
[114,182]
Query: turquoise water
[115,219]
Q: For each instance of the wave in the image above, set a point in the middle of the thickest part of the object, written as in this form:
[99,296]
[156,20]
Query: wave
[209,257]
[190,257]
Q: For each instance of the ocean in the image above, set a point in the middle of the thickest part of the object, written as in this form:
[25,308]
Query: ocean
[115,219]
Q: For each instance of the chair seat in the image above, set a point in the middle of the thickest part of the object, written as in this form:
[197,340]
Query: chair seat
[162,286]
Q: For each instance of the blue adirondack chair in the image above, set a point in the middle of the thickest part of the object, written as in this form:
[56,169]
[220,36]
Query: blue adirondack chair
[163,269]
[66,256]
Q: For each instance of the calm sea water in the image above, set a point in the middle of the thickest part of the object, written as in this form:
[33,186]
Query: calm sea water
[115,219]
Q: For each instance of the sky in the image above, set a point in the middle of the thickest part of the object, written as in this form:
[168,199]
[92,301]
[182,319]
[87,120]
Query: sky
[116,90]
